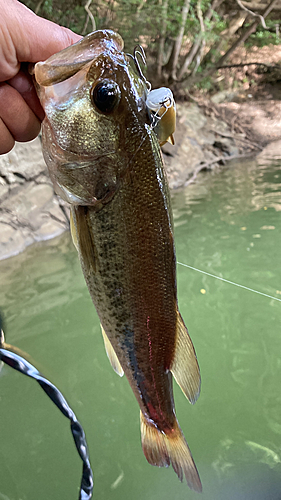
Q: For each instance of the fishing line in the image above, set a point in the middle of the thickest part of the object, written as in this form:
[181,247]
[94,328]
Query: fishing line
[228,281]
[23,366]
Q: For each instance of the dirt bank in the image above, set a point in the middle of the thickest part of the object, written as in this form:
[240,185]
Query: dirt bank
[207,136]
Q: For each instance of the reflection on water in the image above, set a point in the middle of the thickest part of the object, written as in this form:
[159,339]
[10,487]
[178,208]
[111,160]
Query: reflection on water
[228,224]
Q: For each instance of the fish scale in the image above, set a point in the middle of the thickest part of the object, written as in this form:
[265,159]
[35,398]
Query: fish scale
[140,294]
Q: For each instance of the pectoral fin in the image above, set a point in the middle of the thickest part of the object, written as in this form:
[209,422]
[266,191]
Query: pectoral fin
[112,355]
[185,367]
[73,231]
[83,239]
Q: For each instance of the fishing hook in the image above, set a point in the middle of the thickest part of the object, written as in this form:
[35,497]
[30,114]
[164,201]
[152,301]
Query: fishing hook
[156,118]
[138,50]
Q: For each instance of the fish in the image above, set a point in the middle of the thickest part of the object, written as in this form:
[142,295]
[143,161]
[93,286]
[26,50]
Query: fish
[104,159]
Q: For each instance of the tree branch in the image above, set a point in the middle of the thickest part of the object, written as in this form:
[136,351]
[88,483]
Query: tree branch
[242,6]
[38,6]
[259,6]
[140,6]
[251,29]
[87,9]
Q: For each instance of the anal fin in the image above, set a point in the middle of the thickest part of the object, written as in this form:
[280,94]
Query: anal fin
[111,354]
[185,367]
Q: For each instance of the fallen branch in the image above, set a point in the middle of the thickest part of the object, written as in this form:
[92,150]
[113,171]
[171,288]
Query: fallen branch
[207,164]
[65,213]
[235,137]
[55,218]
[250,64]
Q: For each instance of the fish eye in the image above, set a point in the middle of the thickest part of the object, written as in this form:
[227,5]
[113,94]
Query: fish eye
[106,96]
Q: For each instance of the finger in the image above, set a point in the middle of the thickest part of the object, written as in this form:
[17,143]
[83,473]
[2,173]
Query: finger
[23,83]
[27,37]
[6,139]
[16,115]
[43,38]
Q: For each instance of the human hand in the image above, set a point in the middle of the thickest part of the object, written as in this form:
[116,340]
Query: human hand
[24,38]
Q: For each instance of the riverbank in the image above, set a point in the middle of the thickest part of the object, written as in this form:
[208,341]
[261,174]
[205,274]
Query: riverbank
[207,136]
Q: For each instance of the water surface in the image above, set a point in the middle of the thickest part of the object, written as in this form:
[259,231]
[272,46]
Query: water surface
[228,224]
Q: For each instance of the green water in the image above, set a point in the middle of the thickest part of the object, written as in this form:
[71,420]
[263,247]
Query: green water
[228,224]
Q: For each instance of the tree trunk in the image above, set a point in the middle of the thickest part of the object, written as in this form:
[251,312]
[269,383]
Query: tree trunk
[194,80]
[225,35]
[200,51]
[160,58]
[196,45]
[178,41]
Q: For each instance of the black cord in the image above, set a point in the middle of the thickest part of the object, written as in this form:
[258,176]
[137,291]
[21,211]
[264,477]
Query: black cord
[20,364]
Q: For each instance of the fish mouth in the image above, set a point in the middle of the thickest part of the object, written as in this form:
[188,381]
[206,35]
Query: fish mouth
[68,61]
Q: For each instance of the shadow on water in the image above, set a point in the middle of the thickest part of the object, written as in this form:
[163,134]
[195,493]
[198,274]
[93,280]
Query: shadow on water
[228,224]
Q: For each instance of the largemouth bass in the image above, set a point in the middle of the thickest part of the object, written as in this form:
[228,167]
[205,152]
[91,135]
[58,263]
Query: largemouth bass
[104,159]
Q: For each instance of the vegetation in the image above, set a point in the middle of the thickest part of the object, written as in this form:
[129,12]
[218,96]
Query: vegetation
[186,40]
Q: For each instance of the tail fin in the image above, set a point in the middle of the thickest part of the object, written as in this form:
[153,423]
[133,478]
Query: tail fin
[162,449]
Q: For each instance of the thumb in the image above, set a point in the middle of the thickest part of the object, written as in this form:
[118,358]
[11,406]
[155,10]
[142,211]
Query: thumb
[28,37]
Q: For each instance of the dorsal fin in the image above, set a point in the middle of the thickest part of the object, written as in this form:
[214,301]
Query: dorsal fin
[111,354]
[185,367]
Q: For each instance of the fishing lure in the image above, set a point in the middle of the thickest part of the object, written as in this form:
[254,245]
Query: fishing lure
[160,103]
[161,107]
